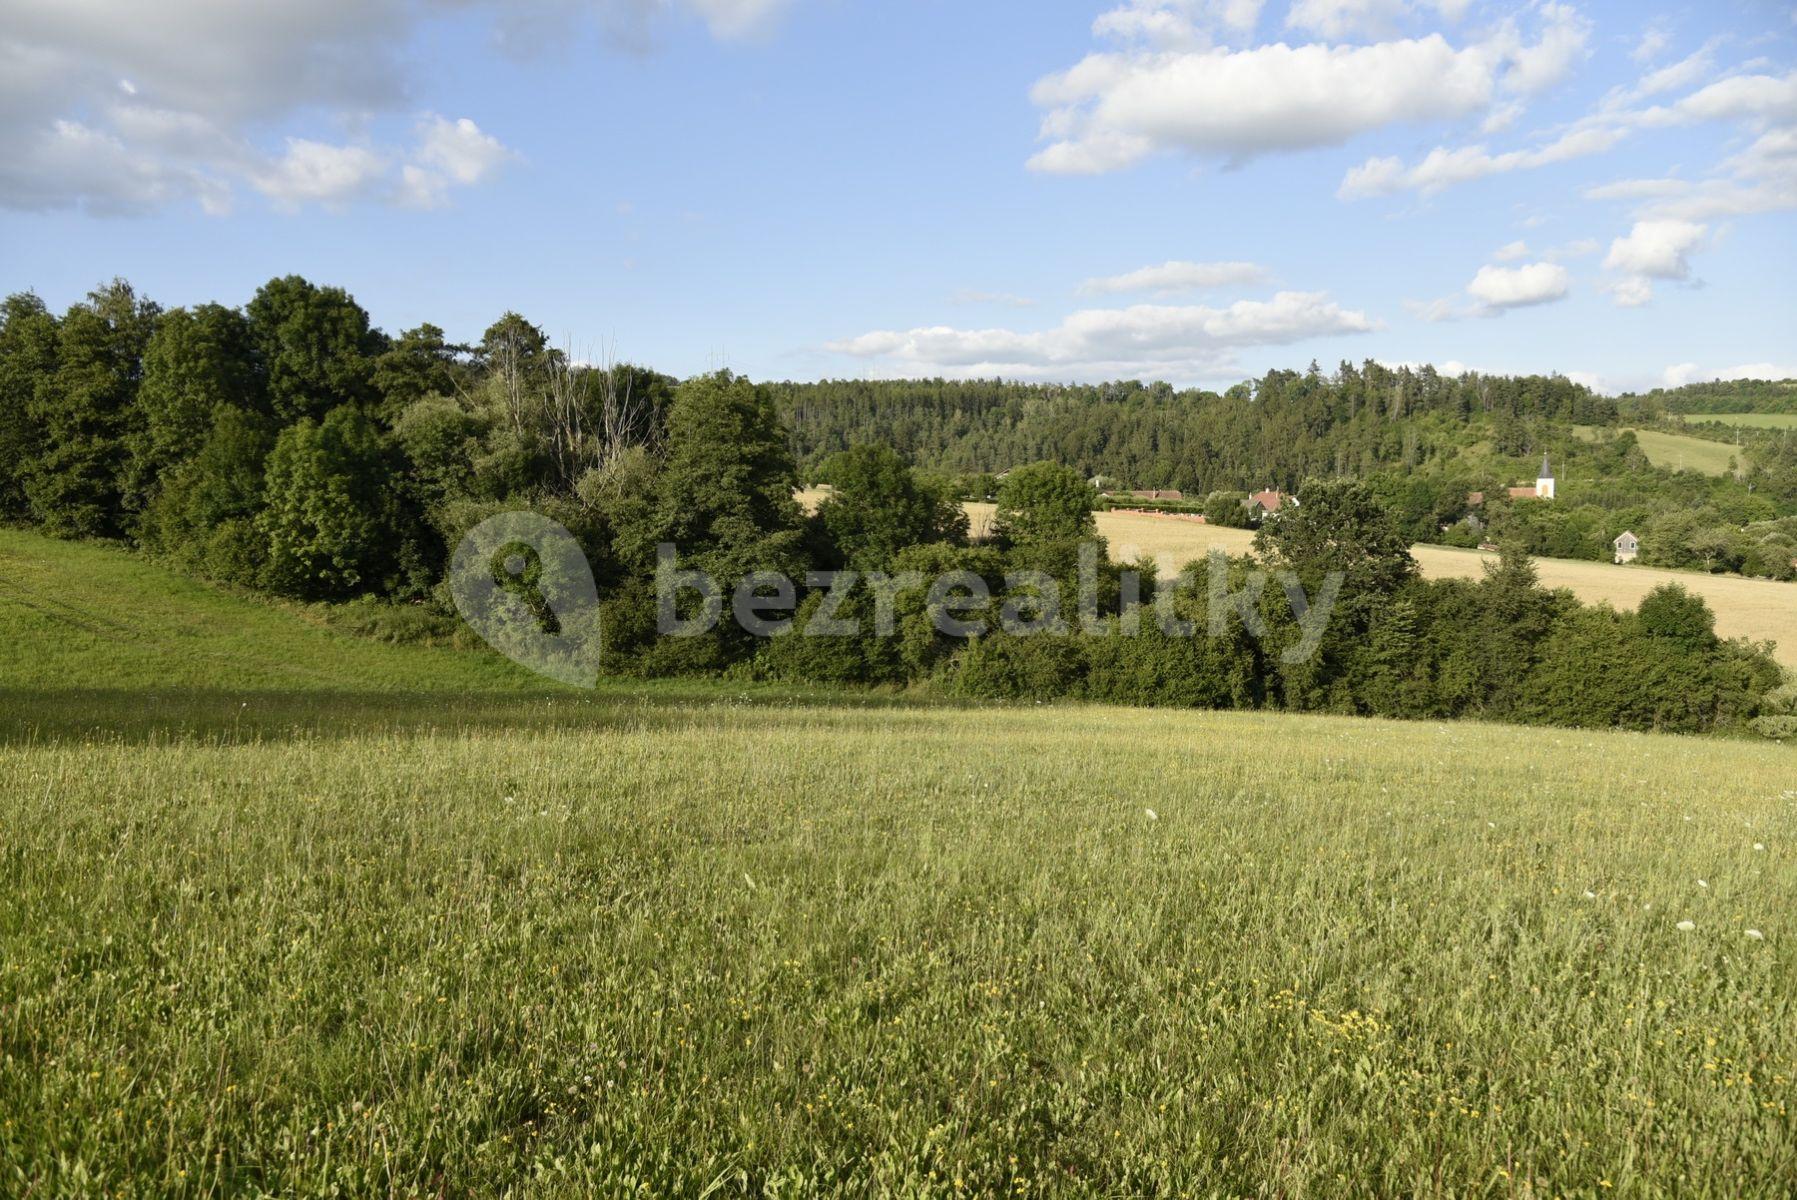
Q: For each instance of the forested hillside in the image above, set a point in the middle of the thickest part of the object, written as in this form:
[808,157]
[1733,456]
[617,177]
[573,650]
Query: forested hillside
[1425,442]
[1278,430]
[291,447]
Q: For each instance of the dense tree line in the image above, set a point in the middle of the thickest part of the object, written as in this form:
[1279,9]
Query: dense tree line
[1426,442]
[293,447]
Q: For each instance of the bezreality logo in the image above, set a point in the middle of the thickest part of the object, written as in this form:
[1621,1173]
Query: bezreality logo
[523,583]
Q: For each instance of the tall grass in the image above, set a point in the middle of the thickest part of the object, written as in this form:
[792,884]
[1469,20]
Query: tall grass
[799,949]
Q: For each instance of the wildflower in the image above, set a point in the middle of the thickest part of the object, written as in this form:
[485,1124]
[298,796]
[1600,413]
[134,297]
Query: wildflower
[1759,845]
[1755,935]
[1590,895]
[1152,815]
[1702,884]
[1686,926]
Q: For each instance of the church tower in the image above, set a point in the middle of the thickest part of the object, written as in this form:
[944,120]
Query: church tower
[1544,485]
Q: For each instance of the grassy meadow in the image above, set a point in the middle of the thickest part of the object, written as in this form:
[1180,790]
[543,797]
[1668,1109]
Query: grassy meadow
[411,925]
[1676,451]
[1745,420]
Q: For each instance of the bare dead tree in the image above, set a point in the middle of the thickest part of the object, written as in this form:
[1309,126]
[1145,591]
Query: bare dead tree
[593,418]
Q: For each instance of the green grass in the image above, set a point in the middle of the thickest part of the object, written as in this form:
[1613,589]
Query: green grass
[659,940]
[1677,452]
[1747,420]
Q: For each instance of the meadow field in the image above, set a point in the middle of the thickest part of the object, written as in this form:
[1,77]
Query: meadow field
[1675,451]
[1746,420]
[409,924]
[1750,608]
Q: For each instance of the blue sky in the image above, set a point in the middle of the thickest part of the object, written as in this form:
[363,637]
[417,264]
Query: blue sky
[1195,190]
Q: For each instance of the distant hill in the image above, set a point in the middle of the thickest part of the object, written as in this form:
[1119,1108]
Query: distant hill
[1719,396]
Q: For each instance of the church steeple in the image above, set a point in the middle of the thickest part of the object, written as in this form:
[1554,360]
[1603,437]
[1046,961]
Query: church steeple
[1544,483]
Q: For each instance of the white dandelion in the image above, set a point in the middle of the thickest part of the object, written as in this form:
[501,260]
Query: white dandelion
[1686,926]
[1755,935]
[1759,845]
[1590,895]
[1151,814]
[1703,883]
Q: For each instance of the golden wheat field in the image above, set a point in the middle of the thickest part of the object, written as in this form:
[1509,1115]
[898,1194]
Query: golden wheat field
[1753,608]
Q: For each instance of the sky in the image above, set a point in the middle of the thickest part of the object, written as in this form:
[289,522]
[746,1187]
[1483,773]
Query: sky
[1189,190]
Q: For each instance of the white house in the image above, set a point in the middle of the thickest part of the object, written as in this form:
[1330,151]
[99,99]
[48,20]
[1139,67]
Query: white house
[1627,547]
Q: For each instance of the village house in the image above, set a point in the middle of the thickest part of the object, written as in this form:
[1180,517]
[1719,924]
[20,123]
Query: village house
[1268,501]
[1628,546]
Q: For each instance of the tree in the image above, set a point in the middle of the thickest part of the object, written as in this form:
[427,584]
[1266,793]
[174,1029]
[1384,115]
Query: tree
[1672,614]
[316,347]
[725,496]
[203,514]
[326,519]
[419,363]
[1043,502]
[1339,525]
[879,506]
[28,340]
[197,362]
[84,412]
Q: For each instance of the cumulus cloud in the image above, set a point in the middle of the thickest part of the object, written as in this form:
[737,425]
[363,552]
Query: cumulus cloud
[1172,278]
[1519,287]
[317,172]
[1495,290]
[1652,250]
[111,108]
[1174,90]
[1191,341]
[449,153]
[1657,249]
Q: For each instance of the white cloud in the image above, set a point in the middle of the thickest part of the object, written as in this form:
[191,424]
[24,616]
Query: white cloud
[1519,287]
[1657,249]
[459,149]
[317,172]
[1512,252]
[1652,250]
[1171,278]
[1172,89]
[107,106]
[1538,66]
[449,153]
[1633,291]
[1113,111]
[1681,74]
[1443,168]
[1188,341]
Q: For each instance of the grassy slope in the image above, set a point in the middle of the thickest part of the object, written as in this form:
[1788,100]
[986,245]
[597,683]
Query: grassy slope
[1746,420]
[804,947]
[1675,451]
[1751,608]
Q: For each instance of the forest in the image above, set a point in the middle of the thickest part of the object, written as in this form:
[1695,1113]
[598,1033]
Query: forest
[291,448]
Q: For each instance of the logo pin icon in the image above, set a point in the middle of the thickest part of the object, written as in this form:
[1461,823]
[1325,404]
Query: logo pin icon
[522,582]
